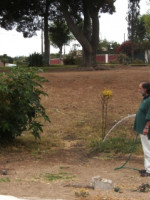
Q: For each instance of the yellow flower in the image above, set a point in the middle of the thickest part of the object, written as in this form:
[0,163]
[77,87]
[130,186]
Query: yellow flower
[107,93]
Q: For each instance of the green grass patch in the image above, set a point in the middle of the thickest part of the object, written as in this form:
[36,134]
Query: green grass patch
[61,175]
[6,180]
[117,145]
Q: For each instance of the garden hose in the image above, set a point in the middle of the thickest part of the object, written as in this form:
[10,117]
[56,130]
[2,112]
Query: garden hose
[132,150]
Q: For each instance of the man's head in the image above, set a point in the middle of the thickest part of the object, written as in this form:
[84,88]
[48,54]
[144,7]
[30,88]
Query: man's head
[144,88]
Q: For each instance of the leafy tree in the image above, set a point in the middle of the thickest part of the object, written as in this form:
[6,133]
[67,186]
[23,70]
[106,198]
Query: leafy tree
[87,12]
[143,33]
[27,17]
[125,48]
[60,35]
[20,106]
[6,59]
[108,47]
[133,14]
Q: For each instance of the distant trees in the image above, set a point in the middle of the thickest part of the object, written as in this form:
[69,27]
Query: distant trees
[126,48]
[107,47]
[6,59]
[132,18]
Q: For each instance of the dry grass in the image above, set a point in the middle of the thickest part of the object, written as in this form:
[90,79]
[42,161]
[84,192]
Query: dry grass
[74,102]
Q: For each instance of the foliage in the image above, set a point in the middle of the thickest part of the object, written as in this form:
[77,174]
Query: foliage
[61,175]
[69,60]
[126,47]
[144,188]
[107,47]
[20,106]
[6,59]
[32,15]
[116,144]
[6,180]
[36,60]
[123,58]
[59,34]
[87,13]
[138,61]
[133,14]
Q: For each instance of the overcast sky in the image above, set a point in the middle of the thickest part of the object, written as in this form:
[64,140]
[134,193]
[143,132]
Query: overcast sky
[112,27]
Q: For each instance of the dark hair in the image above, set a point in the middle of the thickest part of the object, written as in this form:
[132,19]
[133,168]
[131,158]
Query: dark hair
[146,85]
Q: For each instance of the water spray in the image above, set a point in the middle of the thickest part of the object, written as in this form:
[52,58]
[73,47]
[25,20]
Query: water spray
[123,119]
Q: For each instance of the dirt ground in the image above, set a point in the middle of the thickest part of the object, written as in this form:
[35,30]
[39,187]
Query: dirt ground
[74,101]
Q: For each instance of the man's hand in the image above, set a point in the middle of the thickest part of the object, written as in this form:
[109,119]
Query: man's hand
[146,130]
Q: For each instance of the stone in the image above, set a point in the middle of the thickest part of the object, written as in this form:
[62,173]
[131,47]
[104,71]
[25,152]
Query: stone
[101,184]
[4,172]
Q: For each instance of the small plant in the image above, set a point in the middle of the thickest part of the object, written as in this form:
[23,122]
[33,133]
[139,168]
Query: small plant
[6,180]
[61,175]
[144,188]
[105,97]
[81,193]
[117,189]
[138,61]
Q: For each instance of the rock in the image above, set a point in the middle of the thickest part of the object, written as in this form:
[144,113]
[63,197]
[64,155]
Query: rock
[4,172]
[101,184]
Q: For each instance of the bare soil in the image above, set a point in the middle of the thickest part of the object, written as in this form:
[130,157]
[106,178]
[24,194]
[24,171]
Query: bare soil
[74,107]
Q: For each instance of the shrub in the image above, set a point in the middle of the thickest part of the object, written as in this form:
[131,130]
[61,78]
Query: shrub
[69,60]
[20,106]
[36,60]
[123,59]
[138,61]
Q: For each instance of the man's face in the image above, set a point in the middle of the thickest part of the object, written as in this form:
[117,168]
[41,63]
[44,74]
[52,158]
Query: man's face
[142,90]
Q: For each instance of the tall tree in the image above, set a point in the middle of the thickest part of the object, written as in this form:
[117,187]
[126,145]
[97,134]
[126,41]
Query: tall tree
[26,17]
[132,18]
[76,11]
[59,35]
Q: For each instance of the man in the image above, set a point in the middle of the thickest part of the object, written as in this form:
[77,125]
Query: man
[142,125]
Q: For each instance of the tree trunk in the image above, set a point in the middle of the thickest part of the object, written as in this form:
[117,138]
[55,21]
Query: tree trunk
[89,37]
[46,36]
[60,55]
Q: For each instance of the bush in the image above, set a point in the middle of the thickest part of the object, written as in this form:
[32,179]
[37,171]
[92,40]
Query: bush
[36,60]
[138,61]
[69,60]
[123,59]
[20,105]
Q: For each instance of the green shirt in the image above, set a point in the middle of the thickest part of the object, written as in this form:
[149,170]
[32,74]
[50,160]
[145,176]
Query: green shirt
[142,116]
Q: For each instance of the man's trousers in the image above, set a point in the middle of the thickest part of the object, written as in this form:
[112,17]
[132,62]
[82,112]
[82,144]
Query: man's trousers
[146,149]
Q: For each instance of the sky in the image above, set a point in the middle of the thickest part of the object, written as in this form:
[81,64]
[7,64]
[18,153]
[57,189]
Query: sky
[112,27]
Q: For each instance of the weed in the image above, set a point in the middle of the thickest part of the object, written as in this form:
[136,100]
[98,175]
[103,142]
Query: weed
[116,145]
[81,193]
[61,175]
[6,180]
[144,188]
